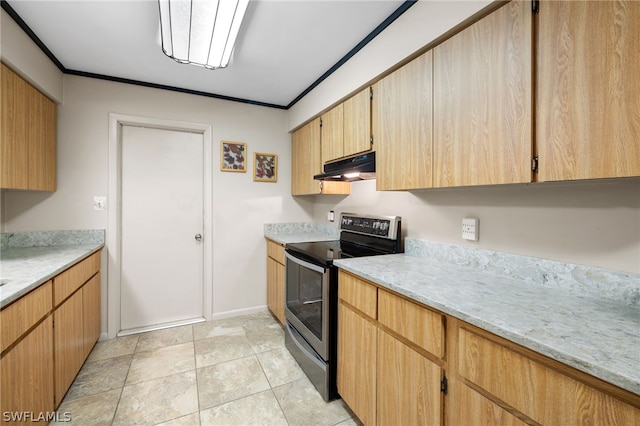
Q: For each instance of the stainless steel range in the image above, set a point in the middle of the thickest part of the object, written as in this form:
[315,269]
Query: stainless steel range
[311,307]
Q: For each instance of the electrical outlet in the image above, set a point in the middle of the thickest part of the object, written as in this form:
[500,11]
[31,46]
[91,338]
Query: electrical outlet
[470,228]
[99,203]
[330,216]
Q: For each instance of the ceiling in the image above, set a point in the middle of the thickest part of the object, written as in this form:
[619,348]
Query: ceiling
[284,46]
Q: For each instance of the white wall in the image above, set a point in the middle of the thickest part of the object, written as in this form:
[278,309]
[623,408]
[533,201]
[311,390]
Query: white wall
[241,206]
[588,223]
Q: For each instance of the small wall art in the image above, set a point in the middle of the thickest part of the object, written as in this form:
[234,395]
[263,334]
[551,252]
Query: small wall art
[265,167]
[233,156]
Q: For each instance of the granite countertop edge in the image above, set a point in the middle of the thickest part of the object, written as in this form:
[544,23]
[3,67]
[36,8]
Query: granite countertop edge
[40,256]
[504,307]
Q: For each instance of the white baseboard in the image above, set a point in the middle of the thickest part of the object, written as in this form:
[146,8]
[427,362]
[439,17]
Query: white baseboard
[239,312]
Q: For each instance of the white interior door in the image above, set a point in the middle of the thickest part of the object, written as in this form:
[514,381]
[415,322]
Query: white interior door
[161,281]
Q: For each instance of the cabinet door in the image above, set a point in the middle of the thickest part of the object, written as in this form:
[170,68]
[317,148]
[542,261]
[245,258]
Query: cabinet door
[91,313]
[357,123]
[42,137]
[356,375]
[333,134]
[14,152]
[402,126]
[26,374]
[305,159]
[483,101]
[275,288]
[472,408]
[588,89]
[408,385]
[68,340]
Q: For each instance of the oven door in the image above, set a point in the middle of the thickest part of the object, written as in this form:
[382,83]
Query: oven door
[307,301]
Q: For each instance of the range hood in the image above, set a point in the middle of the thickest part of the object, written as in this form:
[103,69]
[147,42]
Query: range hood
[360,167]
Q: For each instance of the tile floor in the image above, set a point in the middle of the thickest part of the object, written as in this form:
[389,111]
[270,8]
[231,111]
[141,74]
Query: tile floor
[228,372]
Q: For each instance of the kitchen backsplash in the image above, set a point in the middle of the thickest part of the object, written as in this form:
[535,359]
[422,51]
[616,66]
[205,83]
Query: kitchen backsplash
[582,280]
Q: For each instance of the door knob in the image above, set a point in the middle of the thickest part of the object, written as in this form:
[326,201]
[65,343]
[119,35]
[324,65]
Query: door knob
[198,237]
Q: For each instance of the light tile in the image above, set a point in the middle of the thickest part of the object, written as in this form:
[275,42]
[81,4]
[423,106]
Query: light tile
[113,348]
[161,363]
[209,329]
[94,410]
[280,367]
[189,420]
[353,421]
[157,401]
[266,338]
[303,405]
[230,380]
[99,376]
[223,348]
[258,409]
[165,337]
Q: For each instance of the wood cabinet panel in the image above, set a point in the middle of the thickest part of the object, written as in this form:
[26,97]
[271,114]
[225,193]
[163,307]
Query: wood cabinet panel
[306,160]
[73,278]
[26,375]
[68,343]
[357,123]
[14,152]
[356,370]
[403,126]
[42,155]
[358,293]
[92,321]
[483,104]
[408,385]
[275,289]
[17,318]
[588,106]
[275,251]
[474,409]
[27,137]
[333,134]
[418,324]
[539,392]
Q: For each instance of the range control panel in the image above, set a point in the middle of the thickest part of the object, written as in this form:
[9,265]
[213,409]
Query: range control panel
[380,226]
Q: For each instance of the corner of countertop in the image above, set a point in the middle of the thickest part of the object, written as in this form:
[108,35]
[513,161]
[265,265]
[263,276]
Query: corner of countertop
[51,238]
[300,232]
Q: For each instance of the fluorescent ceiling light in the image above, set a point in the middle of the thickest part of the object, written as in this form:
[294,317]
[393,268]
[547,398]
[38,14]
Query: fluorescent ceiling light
[201,32]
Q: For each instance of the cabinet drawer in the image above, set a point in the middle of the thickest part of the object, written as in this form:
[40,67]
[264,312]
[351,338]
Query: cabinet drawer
[73,278]
[275,251]
[358,293]
[537,391]
[22,314]
[412,321]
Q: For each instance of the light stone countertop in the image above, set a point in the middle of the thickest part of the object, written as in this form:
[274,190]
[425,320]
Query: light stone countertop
[30,259]
[300,232]
[599,336]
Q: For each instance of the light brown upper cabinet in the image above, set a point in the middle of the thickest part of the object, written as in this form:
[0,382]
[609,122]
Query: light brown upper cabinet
[483,101]
[28,136]
[306,162]
[332,133]
[346,128]
[588,90]
[402,125]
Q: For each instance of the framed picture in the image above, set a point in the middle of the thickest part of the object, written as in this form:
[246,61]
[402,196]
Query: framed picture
[233,157]
[265,167]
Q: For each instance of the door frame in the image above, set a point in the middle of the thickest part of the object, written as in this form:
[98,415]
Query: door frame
[114,236]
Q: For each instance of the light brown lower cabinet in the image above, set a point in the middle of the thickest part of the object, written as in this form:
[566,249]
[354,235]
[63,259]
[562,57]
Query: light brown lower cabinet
[402,363]
[26,374]
[275,279]
[46,340]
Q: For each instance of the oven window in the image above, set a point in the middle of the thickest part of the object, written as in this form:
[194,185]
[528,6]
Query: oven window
[304,296]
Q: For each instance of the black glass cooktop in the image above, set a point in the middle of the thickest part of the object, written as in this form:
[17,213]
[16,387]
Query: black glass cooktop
[324,252]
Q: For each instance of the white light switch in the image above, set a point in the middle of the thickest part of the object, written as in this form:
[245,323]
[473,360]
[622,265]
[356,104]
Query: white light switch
[99,203]
[470,229]
[330,216]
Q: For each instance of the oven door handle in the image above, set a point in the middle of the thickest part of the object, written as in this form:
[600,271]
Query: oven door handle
[306,264]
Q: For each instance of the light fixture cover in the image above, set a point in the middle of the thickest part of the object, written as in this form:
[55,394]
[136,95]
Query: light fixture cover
[201,32]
